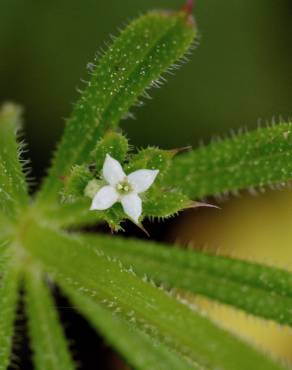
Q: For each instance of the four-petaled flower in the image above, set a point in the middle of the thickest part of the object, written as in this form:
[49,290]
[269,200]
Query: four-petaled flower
[123,188]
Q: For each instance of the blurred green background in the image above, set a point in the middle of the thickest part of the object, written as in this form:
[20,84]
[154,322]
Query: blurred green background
[239,74]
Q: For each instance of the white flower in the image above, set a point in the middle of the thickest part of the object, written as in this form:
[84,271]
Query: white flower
[123,188]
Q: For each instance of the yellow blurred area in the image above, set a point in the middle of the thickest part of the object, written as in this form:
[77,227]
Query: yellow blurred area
[257,228]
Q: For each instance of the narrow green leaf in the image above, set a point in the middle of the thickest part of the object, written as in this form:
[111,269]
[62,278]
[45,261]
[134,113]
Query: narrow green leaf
[134,61]
[255,159]
[260,290]
[50,348]
[8,306]
[13,189]
[139,349]
[144,306]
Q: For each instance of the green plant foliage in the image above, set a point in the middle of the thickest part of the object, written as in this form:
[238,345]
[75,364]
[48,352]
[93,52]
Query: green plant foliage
[6,234]
[50,349]
[147,324]
[13,189]
[159,201]
[114,144]
[76,182]
[135,60]
[162,200]
[151,158]
[260,290]
[144,306]
[3,256]
[164,203]
[255,159]
[68,215]
[83,180]
[8,305]
[138,348]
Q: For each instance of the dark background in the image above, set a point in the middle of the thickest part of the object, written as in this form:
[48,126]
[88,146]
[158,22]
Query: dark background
[239,76]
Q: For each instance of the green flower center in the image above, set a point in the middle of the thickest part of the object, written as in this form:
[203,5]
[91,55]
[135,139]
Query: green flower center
[124,187]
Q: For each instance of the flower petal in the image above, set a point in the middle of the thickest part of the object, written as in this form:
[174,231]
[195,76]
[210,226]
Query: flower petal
[141,180]
[112,171]
[104,198]
[132,205]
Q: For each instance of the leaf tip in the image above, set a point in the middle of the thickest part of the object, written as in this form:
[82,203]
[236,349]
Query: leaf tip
[141,227]
[176,151]
[199,204]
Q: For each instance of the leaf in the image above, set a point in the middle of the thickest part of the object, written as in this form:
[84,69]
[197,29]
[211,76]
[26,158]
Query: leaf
[260,290]
[134,61]
[50,348]
[140,350]
[8,306]
[13,189]
[255,159]
[165,203]
[145,307]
